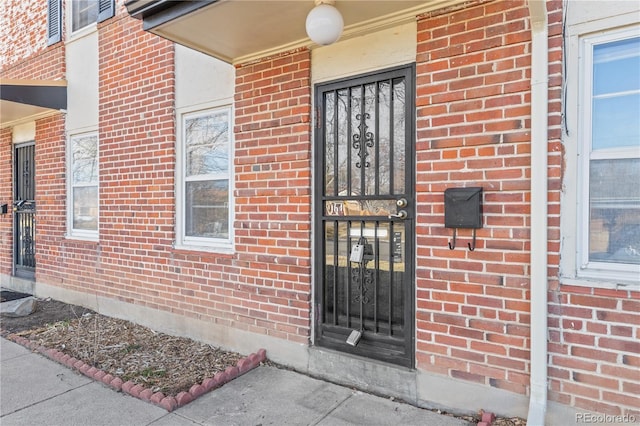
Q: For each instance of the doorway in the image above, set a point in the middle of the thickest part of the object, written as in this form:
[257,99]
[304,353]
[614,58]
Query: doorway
[24,208]
[364,195]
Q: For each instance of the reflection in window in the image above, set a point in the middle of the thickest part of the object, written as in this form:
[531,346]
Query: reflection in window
[207,144]
[83,13]
[207,209]
[84,182]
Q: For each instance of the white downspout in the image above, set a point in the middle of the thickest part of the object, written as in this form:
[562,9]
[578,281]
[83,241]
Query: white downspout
[539,143]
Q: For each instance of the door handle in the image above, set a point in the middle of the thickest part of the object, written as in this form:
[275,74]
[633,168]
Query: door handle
[402,214]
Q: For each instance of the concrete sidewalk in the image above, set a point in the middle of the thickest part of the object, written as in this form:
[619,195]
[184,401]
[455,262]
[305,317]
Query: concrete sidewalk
[37,391]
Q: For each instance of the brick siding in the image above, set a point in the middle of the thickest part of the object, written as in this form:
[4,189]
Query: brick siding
[594,349]
[473,109]
[273,189]
[24,54]
[24,30]
[265,286]
[6,196]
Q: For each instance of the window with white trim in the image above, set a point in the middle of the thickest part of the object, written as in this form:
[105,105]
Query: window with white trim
[83,186]
[609,156]
[204,206]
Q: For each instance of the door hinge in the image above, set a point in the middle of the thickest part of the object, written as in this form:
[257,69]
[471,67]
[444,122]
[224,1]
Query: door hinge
[316,114]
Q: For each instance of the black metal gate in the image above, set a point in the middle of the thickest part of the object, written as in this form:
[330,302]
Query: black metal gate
[365,215]
[24,211]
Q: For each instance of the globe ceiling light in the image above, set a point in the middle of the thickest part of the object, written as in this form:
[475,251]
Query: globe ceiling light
[324,23]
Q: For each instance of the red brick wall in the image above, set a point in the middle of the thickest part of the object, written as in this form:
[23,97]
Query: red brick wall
[136,153]
[24,52]
[473,109]
[265,286]
[595,349]
[6,196]
[473,311]
[594,346]
[137,161]
[24,30]
[594,333]
[273,189]
[50,191]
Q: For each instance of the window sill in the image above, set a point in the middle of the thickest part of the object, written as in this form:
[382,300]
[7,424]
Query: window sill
[218,249]
[592,282]
[85,238]
[82,32]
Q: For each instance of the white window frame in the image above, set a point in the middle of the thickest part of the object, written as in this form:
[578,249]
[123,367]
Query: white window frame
[586,267]
[575,267]
[219,245]
[81,234]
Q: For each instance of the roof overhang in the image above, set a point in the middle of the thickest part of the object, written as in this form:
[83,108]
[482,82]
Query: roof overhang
[239,31]
[27,100]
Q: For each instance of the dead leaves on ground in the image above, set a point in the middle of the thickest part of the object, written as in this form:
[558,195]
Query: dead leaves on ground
[158,361]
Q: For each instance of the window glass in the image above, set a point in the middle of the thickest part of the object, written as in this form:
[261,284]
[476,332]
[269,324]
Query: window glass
[85,160]
[84,182]
[85,208]
[206,195]
[83,13]
[614,165]
[207,209]
[616,94]
[207,140]
[614,195]
[615,121]
[615,66]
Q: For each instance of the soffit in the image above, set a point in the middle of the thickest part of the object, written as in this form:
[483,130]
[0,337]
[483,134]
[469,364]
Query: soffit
[238,31]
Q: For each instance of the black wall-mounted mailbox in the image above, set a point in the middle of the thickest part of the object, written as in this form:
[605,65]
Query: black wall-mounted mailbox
[4,209]
[463,207]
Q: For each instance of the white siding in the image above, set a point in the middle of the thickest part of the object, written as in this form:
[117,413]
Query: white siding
[82,83]
[202,79]
[375,51]
[24,132]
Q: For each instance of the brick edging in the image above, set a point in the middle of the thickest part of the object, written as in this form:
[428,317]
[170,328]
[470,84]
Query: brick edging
[486,419]
[169,403]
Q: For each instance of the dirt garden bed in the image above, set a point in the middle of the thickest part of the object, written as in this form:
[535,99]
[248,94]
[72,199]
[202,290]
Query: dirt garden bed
[158,361]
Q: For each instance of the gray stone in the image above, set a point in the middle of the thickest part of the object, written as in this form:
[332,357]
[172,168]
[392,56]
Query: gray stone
[18,308]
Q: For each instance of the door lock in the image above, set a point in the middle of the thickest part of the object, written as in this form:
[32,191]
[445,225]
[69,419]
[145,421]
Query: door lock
[402,214]
[402,203]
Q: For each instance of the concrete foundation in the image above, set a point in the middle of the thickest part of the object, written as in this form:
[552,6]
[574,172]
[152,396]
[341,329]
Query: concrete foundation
[20,285]
[413,386]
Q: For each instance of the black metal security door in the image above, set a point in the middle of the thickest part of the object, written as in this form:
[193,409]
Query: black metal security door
[24,211]
[365,215]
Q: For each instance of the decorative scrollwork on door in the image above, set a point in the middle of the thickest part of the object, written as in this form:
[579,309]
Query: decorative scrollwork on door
[358,144]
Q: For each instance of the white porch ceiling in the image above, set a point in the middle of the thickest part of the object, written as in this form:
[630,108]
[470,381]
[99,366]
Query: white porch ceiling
[238,31]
